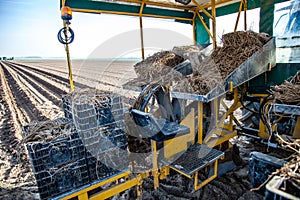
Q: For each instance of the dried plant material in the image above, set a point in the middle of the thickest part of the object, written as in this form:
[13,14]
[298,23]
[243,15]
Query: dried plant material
[185,51]
[296,79]
[237,48]
[157,65]
[291,170]
[90,96]
[245,39]
[47,131]
[288,92]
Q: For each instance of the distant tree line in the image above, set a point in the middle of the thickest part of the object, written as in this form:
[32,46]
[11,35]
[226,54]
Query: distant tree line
[6,58]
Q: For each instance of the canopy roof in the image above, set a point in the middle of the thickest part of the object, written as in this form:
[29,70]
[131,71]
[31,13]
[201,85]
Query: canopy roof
[163,8]
[199,13]
[173,3]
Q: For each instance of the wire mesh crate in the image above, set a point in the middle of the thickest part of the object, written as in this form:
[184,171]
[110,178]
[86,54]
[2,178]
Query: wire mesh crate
[92,108]
[114,134]
[57,180]
[73,157]
[106,151]
[51,154]
[53,143]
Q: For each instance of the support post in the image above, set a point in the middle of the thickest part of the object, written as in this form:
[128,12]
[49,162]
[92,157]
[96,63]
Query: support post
[200,122]
[68,59]
[245,14]
[141,30]
[194,28]
[238,17]
[214,29]
[155,165]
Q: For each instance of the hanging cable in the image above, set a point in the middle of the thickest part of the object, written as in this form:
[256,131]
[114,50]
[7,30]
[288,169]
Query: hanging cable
[65,35]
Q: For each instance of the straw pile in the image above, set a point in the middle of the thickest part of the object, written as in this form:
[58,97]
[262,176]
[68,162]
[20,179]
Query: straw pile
[288,92]
[157,65]
[237,48]
[47,131]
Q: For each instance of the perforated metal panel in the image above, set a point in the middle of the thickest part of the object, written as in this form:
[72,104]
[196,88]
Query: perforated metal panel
[195,158]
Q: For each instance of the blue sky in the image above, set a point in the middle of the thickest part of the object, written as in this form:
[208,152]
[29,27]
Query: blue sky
[29,28]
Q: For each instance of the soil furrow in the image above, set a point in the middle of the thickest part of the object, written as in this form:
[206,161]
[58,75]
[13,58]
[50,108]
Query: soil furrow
[17,180]
[55,90]
[22,99]
[77,85]
[43,90]
[58,78]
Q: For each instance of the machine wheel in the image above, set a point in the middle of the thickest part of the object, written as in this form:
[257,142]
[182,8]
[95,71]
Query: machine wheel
[248,118]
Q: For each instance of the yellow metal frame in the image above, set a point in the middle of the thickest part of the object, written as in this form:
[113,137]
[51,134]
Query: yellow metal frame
[243,6]
[155,164]
[115,189]
[197,9]
[180,143]
[129,14]
[194,28]
[141,30]
[200,8]
[200,122]
[83,194]
[68,59]
[180,7]
[197,186]
[296,133]
[223,132]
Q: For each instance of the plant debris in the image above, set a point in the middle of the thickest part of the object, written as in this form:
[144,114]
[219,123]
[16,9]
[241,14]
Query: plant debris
[157,65]
[237,48]
[288,92]
[47,131]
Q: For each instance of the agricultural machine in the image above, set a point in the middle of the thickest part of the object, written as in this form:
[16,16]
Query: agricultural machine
[181,131]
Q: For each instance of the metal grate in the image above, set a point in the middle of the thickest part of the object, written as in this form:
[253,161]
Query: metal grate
[62,145]
[195,158]
[57,180]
